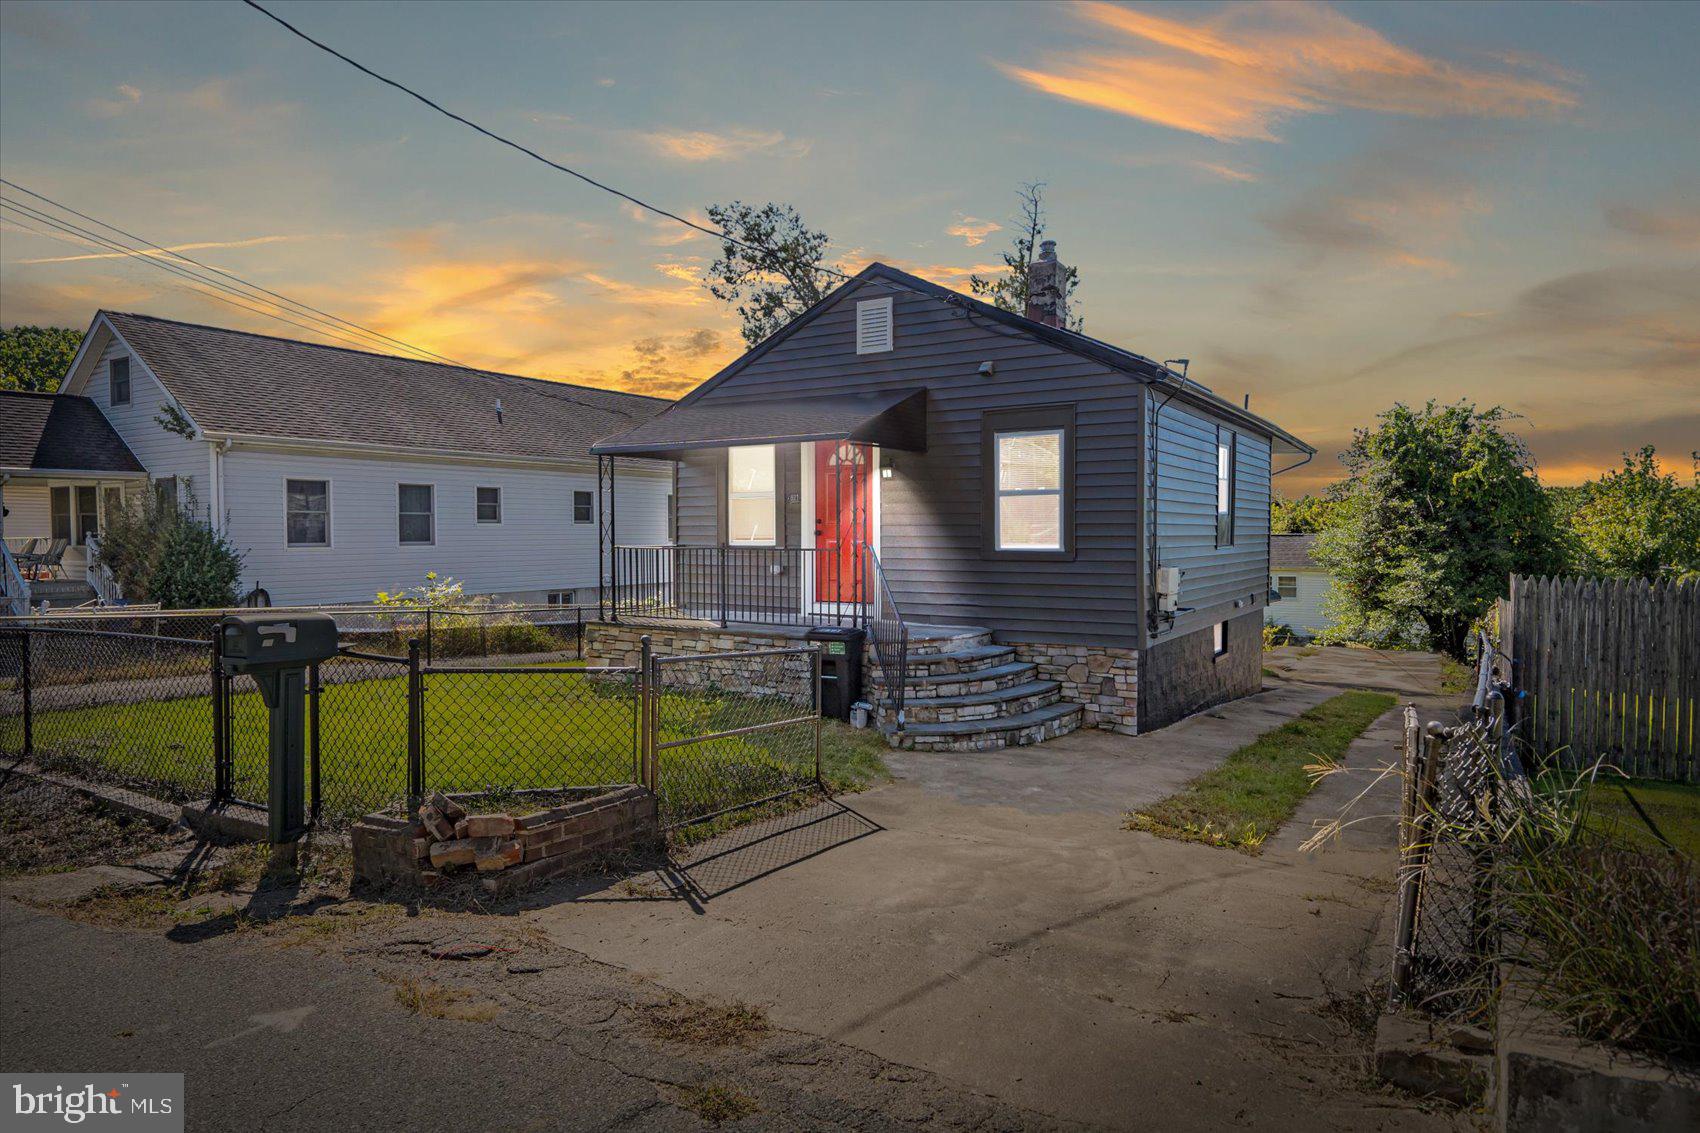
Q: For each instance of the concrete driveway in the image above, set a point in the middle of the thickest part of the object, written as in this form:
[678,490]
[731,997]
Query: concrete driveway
[985,917]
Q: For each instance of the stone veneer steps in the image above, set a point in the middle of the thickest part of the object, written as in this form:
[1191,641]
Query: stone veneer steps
[963,693]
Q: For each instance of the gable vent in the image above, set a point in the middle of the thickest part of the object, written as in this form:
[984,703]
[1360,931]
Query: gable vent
[873,326]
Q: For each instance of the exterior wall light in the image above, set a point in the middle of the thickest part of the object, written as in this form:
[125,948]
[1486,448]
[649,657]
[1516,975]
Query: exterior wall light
[888,467]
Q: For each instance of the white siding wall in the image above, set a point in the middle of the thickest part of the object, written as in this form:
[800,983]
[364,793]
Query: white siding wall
[1303,613]
[162,453]
[536,547]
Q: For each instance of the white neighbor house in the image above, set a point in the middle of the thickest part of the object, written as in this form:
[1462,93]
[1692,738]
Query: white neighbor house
[1301,583]
[336,473]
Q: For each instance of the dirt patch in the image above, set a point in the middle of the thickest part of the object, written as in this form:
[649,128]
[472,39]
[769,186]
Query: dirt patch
[51,829]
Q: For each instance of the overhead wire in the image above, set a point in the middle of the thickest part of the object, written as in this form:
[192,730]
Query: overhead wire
[304,308]
[75,234]
[769,254]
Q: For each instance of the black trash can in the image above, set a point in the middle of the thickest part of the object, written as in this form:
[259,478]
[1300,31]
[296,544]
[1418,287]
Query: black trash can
[840,668]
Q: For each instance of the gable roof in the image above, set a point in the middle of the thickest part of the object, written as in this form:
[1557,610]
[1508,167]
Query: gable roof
[1292,552]
[236,383]
[57,432]
[1126,361]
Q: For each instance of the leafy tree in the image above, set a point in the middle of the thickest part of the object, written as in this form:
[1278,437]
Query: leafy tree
[1306,515]
[1633,522]
[1008,292]
[1441,505]
[35,358]
[774,271]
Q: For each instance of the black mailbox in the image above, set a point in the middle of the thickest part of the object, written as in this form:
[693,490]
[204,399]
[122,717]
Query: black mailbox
[840,668]
[276,649]
[252,643]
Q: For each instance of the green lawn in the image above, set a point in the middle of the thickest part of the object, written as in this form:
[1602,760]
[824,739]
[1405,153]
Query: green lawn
[1245,800]
[495,731]
[1673,807]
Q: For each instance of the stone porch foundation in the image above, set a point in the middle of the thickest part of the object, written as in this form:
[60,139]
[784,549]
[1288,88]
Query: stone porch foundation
[1102,679]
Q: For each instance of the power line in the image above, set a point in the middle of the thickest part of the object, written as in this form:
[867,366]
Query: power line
[75,234]
[529,152]
[301,308]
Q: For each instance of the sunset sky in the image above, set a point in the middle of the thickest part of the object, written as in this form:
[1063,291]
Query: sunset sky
[1329,207]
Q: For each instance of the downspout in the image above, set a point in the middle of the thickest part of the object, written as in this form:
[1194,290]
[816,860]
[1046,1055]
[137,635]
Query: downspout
[1156,451]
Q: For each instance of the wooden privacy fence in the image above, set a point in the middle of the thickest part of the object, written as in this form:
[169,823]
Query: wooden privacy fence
[1610,670]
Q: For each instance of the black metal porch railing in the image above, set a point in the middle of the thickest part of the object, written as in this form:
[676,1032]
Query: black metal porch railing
[780,586]
[888,634]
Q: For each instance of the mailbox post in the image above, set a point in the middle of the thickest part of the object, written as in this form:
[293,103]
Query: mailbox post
[276,651]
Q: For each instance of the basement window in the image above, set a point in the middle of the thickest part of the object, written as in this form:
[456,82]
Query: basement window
[1218,639]
[561,598]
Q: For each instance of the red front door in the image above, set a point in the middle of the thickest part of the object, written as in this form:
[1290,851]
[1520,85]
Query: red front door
[842,521]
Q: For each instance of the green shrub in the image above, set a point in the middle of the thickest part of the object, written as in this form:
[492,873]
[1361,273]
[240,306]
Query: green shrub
[198,567]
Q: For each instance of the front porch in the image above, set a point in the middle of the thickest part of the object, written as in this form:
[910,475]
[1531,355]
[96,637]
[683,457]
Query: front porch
[50,535]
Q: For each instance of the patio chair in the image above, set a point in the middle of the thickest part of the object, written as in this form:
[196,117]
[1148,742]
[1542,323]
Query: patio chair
[52,559]
[24,552]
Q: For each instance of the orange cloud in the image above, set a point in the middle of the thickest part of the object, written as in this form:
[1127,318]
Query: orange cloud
[704,145]
[1236,74]
[972,229]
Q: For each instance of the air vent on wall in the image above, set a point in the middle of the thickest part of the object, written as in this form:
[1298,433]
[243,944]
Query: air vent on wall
[873,326]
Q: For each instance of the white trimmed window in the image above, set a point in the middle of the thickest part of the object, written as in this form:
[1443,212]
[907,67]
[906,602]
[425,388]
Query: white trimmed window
[584,507]
[752,496]
[416,513]
[560,598]
[1287,585]
[489,505]
[1030,490]
[118,381]
[307,513]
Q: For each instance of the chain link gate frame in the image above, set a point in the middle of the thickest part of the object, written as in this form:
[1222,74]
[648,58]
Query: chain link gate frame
[685,705]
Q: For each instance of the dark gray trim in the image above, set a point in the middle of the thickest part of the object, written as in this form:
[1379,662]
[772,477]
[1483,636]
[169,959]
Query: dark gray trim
[995,421]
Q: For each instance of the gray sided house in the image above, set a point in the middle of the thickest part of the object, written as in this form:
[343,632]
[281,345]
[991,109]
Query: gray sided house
[1005,492]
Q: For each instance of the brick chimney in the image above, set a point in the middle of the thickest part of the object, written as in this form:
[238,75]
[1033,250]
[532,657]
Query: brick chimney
[1047,301]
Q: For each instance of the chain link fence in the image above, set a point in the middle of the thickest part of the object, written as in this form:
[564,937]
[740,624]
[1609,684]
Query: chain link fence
[502,728]
[710,734]
[124,708]
[730,731]
[1445,936]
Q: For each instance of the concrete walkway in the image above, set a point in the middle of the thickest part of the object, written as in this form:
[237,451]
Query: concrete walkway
[986,917]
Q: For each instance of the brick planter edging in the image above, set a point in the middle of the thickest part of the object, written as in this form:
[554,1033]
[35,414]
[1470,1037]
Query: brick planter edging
[394,851]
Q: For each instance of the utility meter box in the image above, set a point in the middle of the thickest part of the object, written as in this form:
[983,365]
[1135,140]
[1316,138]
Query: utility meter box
[1168,589]
[253,643]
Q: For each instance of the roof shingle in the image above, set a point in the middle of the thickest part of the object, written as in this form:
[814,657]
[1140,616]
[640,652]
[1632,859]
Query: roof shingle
[251,384]
[56,431]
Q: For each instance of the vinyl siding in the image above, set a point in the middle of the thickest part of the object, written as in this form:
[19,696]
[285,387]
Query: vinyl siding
[1305,612]
[1213,578]
[932,508]
[161,452]
[536,547]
